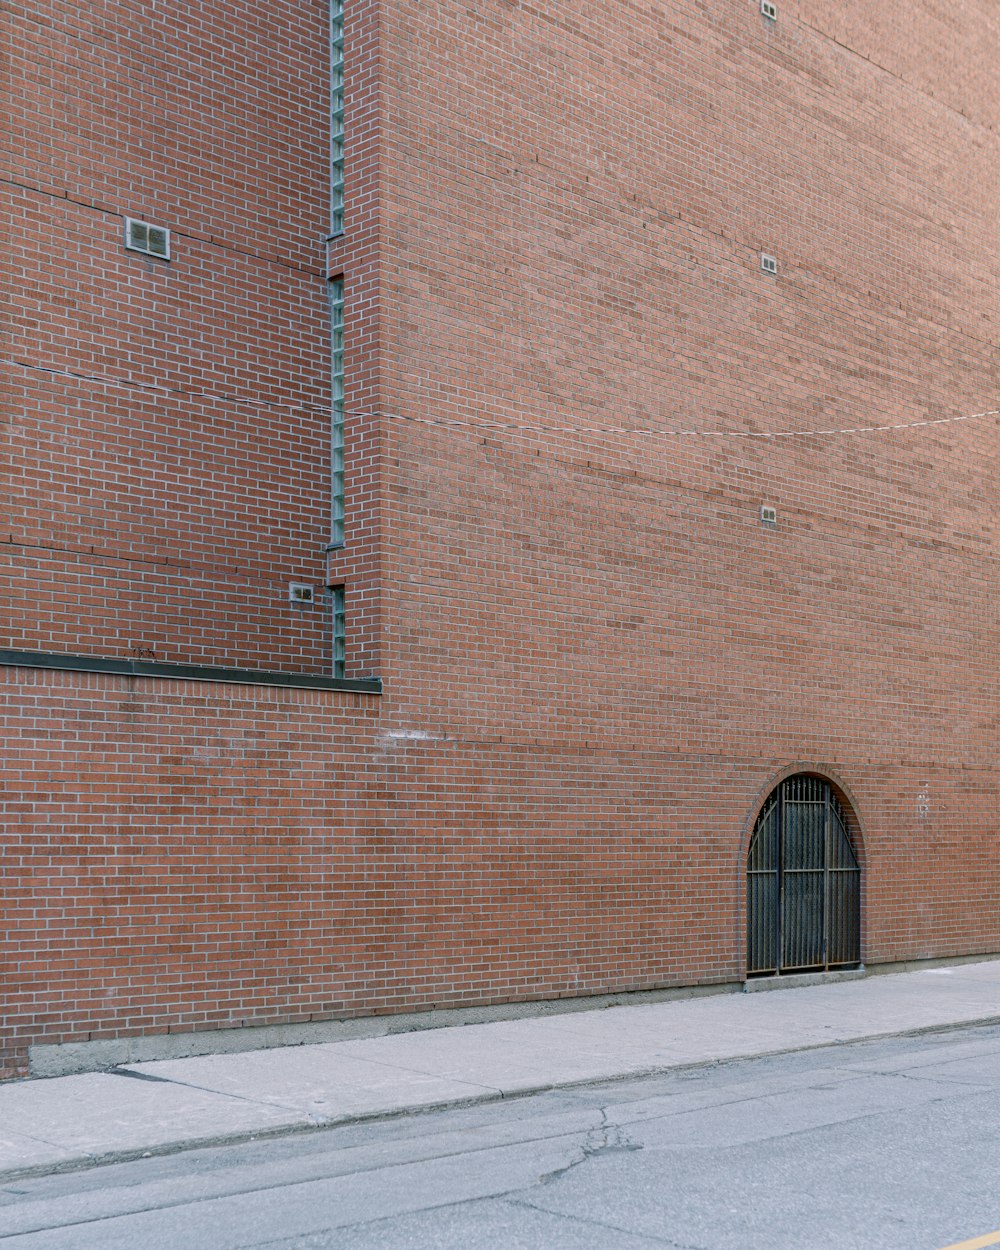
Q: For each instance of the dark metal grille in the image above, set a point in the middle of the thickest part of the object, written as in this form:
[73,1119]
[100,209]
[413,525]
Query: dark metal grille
[803,883]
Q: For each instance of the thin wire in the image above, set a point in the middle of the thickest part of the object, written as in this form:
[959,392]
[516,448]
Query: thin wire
[610,429]
[485,423]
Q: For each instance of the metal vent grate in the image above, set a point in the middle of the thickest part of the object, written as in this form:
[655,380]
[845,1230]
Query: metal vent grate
[769,10]
[768,264]
[140,236]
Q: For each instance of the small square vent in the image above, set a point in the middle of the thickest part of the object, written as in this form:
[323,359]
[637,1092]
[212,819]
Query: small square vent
[769,9]
[768,514]
[301,594]
[140,236]
[768,264]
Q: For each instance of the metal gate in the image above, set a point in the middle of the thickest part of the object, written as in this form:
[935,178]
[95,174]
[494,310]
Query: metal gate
[803,883]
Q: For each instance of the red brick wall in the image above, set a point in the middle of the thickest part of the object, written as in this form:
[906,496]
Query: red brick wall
[580,202]
[186,855]
[165,510]
[596,660]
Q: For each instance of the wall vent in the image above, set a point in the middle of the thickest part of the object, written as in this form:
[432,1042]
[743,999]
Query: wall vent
[768,514]
[140,236]
[768,264]
[299,593]
[769,9]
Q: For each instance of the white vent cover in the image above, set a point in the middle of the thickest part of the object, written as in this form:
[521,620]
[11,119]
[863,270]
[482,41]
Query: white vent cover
[769,9]
[140,236]
[768,264]
[298,592]
[768,514]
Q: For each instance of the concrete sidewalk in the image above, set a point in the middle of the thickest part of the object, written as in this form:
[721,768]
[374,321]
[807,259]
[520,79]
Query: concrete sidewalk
[47,1125]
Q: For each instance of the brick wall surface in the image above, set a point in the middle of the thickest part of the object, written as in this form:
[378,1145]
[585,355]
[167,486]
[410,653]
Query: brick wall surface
[596,660]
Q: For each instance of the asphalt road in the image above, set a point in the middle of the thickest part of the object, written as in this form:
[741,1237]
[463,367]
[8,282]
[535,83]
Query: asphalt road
[892,1145]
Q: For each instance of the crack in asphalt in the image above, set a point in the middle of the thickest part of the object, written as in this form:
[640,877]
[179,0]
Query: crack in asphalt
[251,1186]
[526,1205]
[606,1138]
[911,1075]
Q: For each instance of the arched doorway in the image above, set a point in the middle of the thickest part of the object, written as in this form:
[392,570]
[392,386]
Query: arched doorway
[803,883]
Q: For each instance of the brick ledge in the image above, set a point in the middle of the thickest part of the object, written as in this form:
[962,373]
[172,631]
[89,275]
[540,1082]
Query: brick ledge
[59,661]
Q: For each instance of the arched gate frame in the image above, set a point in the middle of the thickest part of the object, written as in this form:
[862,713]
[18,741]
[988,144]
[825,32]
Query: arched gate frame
[803,882]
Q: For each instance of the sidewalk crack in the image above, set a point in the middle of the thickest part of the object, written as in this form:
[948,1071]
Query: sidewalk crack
[207,1089]
[141,1076]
